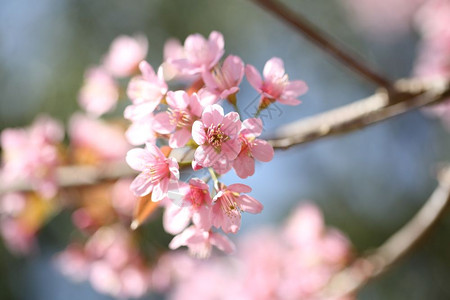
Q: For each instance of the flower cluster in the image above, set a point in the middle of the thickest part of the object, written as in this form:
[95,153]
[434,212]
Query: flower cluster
[292,262]
[111,262]
[32,154]
[194,119]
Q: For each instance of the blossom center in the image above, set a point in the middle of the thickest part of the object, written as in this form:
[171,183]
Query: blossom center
[157,171]
[229,205]
[179,117]
[275,86]
[216,136]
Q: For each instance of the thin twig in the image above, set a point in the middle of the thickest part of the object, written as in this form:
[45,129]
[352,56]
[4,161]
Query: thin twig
[360,114]
[353,278]
[323,41]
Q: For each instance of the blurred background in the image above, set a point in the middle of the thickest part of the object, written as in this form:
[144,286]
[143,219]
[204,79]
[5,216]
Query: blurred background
[368,183]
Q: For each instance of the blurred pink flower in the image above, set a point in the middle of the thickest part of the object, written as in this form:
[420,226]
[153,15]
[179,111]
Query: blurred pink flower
[156,171]
[276,85]
[99,93]
[396,15]
[200,242]
[125,54]
[433,61]
[252,148]
[81,129]
[224,80]
[145,91]
[296,264]
[122,199]
[141,131]
[200,55]
[17,237]
[73,263]
[228,204]
[188,201]
[217,136]
[177,120]
[32,154]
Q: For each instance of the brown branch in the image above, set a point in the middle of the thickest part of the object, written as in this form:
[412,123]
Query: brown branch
[364,269]
[411,94]
[322,40]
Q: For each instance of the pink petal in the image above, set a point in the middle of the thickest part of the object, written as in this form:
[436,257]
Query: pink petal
[195,106]
[160,190]
[173,167]
[244,166]
[296,88]
[139,111]
[250,204]
[202,155]
[231,124]
[154,150]
[202,218]
[222,242]
[216,43]
[177,99]
[274,68]
[289,101]
[182,238]
[262,150]
[162,123]
[253,77]
[141,185]
[146,70]
[212,115]
[180,138]
[198,133]
[231,149]
[252,127]
[176,218]
[138,158]
[233,67]
[210,81]
[239,188]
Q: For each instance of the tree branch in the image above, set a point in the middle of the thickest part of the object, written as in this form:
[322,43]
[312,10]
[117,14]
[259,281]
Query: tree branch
[353,278]
[412,94]
[323,41]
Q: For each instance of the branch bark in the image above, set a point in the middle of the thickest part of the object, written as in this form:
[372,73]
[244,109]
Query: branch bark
[412,94]
[323,41]
[364,269]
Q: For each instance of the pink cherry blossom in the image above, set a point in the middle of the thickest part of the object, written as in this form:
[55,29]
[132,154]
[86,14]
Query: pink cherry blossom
[225,80]
[200,54]
[200,242]
[145,91]
[125,54]
[228,205]
[218,138]
[396,16]
[32,154]
[188,201]
[177,121]
[156,171]
[276,85]
[252,148]
[98,145]
[99,93]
